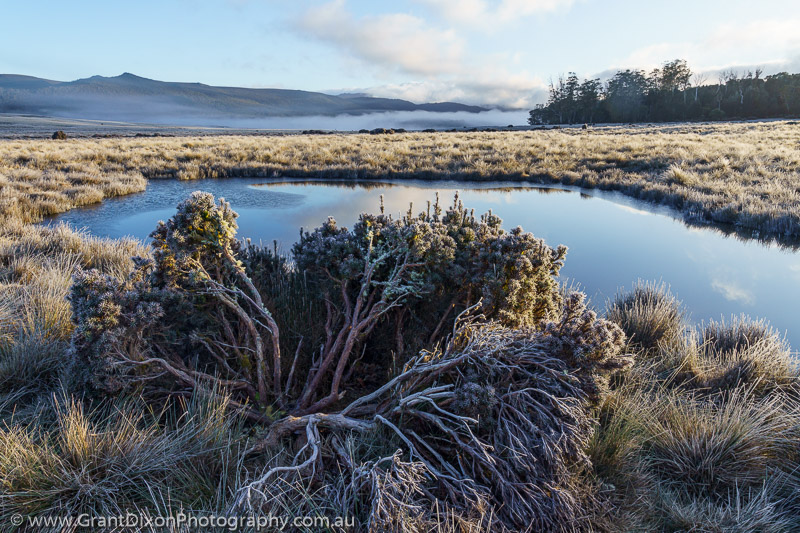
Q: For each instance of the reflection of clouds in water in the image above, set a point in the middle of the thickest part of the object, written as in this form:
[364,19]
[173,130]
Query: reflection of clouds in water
[346,205]
[731,291]
[633,210]
[795,271]
[497,198]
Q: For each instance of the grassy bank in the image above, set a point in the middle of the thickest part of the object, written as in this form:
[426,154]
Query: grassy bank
[745,174]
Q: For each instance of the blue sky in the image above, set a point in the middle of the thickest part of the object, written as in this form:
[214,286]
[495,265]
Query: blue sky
[475,51]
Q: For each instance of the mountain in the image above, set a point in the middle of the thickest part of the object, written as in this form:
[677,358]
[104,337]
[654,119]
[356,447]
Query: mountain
[132,98]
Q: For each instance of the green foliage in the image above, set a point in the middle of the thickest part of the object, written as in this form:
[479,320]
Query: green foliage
[666,94]
[716,114]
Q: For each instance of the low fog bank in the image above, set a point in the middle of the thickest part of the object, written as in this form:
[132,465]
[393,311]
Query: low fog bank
[410,120]
[13,126]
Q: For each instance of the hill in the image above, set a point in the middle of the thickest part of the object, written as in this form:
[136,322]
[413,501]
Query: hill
[135,99]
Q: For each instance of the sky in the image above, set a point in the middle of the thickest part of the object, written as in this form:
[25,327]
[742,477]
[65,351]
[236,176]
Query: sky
[486,52]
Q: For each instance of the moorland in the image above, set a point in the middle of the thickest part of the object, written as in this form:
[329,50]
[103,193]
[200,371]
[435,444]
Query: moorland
[419,373]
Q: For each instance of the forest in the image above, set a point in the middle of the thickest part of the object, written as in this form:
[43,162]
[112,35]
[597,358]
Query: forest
[670,93]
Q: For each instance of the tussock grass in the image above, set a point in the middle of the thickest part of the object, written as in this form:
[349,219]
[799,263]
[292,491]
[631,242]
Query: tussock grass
[712,358]
[708,449]
[742,512]
[739,173]
[718,467]
[745,351]
[36,269]
[677,461]
[702,435]
[119,458]
[649,315]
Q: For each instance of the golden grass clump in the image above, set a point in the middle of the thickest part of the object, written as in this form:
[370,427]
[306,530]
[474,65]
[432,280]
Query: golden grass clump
[649,315]
[702,434]
[117,458]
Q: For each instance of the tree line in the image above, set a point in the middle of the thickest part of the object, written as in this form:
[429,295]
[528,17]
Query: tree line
[670,93]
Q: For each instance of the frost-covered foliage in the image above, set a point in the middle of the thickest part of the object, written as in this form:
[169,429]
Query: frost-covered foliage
[202,233]
[185,320]
[195,312]
[453,257]
[114,319]
[649,314]
[420,271]
[414,274]
[586,343]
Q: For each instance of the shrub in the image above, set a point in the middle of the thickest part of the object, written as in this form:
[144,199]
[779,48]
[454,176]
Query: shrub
[495,425]
[194,311]
[185,313]
[716,114]
[492,421]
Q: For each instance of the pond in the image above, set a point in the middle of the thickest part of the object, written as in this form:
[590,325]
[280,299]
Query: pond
[613,240]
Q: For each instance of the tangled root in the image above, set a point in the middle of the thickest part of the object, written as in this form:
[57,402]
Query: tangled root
[491,430]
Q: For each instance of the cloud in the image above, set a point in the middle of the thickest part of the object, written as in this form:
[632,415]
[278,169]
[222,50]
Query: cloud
[399,43]
[732,292]
[394,40]
[770,43]
[490,14]
[508,91]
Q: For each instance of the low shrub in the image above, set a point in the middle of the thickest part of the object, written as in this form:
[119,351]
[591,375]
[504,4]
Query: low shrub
[197,310]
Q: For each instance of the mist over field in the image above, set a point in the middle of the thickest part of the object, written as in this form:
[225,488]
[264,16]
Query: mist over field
[410,120]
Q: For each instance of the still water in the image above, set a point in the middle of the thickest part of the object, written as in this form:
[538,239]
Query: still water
[613,241]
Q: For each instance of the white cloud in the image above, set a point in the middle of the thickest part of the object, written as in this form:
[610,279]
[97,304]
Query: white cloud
[505,92]
[770,43]
[399,43]
[490,14]
[393,40]
[731,291]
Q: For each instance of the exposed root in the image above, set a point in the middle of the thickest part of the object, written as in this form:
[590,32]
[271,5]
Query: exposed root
[493,426]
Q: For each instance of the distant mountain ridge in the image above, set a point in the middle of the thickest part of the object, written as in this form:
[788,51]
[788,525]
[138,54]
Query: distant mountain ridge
[135,99]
